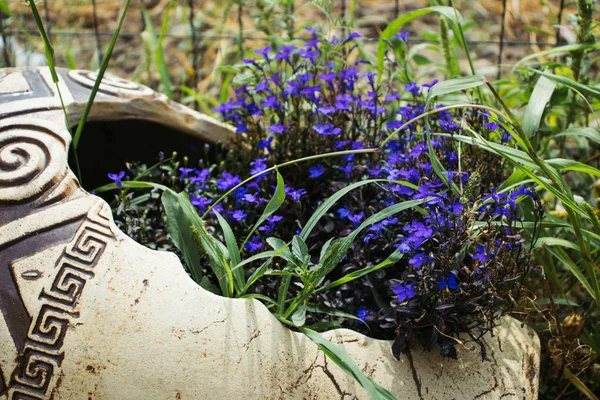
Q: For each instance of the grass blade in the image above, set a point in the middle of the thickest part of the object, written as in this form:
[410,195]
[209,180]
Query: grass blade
[234,253]
[273,205]
[336,354]
[101,72]
[537,103]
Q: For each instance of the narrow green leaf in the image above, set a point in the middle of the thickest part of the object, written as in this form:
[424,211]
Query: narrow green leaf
[160,55]
[580,87]
[234,252]
[557,51]
[537,103]
[554,241]
[588,133]
[101,72]
[572,267]
[453,86]
[5,9]
[334,312]
[392,259]
[273,205]
[343,360]
[327,204]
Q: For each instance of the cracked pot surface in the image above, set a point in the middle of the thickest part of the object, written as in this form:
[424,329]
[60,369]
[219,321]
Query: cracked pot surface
[85,312]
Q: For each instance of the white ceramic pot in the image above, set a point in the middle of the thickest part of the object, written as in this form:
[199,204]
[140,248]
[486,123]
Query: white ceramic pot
[87,313]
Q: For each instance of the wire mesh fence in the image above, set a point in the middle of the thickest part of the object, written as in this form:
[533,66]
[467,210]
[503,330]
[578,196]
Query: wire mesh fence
[200,35]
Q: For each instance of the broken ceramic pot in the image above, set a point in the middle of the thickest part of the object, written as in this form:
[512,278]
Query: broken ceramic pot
[85,312]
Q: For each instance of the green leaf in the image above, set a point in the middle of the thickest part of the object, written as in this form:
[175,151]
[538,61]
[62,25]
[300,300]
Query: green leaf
[394,27]
[392,259]
[453,86]
[300,250]
[163,68]
[334,312]
[5,9]
[234,252]
[330,202]
[101,71]
[561,50]
[564,164]
[343,360]
[580,87]
[299,317]
[179,222]
[537,103]
[572,267]
[588,133]
[554,241]
[273,205]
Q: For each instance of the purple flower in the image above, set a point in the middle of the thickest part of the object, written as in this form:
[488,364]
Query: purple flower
[254,244]
[413,88]
[343,212]
[184,172]
[356,218]
[271,102]
[492,126]
[316,172]
[265,144]
[264,52]
[482,255]
[404,291]
[448,282]
[402,36]
[239,215]
[201,202]
[258,165]
[419,259]
[363,314]
[241,128]
[117,178]
[278,128]
[353,35]
[327,130]
[430,85]
[294,194]
[228,181]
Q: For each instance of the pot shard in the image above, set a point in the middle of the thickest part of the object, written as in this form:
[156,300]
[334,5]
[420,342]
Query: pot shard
[85,312]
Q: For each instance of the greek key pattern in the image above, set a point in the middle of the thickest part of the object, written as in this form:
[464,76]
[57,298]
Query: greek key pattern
[36,374]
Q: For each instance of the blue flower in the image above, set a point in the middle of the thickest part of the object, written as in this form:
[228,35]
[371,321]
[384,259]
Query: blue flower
[315,172]
[412,88]
[258,165]
[404,291]
[239,215]
[482,254]
[448,282]
[353,35]
[117,178]
[228,181]
[327,130]
[419,259]
[402,36]
[278,128]
[492,126]
[264,52]
[184,172]
[362,314]
[356,218]
[201,202]
[254,244]
[265,144]
[343,212]
[294,194]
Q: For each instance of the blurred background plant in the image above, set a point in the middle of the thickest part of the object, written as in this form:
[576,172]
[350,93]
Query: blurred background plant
[540,56]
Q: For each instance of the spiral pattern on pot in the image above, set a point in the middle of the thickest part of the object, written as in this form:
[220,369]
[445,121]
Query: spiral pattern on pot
[33,158]
[111,84]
